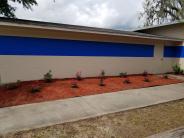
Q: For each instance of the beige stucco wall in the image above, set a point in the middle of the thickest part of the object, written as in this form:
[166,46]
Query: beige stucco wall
[176,31]
[181,60]
[33,67]
[24,68]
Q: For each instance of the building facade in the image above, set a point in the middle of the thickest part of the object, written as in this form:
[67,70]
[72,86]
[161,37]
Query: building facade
[29,49]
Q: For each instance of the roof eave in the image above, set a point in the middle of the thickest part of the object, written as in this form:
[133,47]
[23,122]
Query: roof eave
[74,28]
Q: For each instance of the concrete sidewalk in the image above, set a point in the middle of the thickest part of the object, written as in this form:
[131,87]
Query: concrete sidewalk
[49,113]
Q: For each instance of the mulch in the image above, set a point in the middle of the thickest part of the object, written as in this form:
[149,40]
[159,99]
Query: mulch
[61,88]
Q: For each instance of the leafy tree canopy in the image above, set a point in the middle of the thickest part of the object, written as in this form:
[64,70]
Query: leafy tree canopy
[162,11]
[7,10]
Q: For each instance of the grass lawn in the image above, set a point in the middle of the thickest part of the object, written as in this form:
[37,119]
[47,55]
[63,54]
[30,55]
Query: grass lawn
[130,124]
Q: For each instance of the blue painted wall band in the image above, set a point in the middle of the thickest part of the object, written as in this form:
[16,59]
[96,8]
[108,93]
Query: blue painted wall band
[174,51]
[11,45]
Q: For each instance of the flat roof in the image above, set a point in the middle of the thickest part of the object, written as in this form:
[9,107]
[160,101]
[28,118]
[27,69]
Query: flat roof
[160,25]
[77,28]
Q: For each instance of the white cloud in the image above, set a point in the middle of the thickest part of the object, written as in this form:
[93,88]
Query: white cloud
[99,13]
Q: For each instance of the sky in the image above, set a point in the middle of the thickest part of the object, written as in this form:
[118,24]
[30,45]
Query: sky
[115,14]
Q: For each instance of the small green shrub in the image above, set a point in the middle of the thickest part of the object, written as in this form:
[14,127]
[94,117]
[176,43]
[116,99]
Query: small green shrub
[102,77]
[177,69]
[79,76]
[35,89]
[165,76]
[127,81]
[13,86]
[101,82]
[48,77]
[102,74]
[74,84]
[145,73]
[123,74]
[146,79]
[0,81]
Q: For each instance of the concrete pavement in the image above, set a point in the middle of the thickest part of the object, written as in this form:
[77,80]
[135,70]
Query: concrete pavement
[36,115]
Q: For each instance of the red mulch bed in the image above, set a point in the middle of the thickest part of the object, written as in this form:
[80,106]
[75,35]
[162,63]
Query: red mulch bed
[61,89]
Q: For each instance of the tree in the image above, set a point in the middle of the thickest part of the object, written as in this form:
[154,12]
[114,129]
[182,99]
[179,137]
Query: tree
[162,11]
[7,10]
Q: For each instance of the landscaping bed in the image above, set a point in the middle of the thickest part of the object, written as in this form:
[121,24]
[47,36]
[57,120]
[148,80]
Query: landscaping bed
[40,91]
